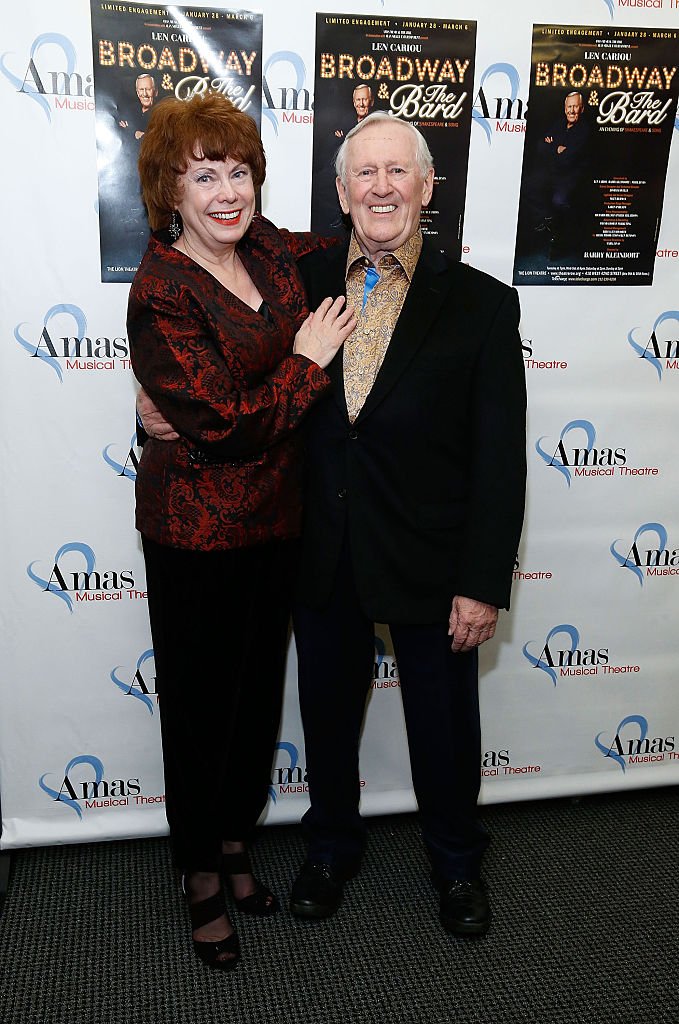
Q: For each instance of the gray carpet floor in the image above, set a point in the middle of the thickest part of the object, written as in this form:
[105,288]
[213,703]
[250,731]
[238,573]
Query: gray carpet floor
[586,930]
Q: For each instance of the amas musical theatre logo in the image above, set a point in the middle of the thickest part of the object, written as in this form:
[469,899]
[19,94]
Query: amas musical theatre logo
[504,113]
[495,763]
[660,350]
[290,777]
[49,76]
[64,343]
[123,465]
[577,453]
[287,778]
[630,743]
[73,577]
[385,673]
[140,683]
[293,102]
[644,561]
[656,4]
[532,362]
[562,654]
[84,787]
[524,575]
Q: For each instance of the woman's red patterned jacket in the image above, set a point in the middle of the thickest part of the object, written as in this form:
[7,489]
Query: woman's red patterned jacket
[226,380]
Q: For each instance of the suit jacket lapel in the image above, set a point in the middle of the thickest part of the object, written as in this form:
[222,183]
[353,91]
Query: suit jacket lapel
[428,290]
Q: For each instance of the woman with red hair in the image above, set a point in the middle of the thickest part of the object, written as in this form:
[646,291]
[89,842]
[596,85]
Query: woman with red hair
[223,343]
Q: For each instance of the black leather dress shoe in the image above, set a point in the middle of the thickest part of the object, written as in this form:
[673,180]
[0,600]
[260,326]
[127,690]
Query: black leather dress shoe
[464,907]
[317,890]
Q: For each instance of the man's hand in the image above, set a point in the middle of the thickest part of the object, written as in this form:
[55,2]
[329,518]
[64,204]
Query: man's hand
[471,623]
[560,149]
[155,424]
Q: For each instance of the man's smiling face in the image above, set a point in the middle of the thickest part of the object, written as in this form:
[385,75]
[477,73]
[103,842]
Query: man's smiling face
[385,189]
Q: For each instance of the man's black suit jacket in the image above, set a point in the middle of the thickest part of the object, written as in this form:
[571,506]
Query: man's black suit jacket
[429,481]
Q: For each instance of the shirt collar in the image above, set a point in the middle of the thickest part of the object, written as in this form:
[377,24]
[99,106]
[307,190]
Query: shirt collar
[406,255]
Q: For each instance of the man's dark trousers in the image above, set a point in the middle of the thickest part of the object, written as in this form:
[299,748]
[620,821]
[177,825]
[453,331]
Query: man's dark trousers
[336,651]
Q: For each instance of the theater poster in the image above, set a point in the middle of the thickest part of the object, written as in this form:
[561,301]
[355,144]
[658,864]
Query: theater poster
[143,53]
[601,109]
[420,70]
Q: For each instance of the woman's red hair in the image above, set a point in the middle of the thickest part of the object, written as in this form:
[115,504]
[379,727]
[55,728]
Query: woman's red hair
[202,128]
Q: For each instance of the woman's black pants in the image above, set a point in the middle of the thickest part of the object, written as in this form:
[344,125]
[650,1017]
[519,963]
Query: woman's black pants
[219,622]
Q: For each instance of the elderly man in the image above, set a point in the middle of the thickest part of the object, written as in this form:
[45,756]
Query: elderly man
[145,87]
[146,94]
[561,165]
[413,511]
[363,101]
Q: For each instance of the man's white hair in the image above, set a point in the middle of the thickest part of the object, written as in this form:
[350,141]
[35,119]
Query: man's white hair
[423,156]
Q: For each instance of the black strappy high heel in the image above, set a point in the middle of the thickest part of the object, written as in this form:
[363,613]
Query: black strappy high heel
[201,914]
[261,902]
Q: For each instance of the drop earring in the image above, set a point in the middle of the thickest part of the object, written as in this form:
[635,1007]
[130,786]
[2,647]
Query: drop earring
[175,226]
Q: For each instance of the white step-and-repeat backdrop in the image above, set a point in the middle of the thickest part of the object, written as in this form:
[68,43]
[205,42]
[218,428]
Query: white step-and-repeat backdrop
[579,689]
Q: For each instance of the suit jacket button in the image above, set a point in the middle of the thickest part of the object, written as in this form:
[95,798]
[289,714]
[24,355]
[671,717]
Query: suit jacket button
[353,434]
[342,493]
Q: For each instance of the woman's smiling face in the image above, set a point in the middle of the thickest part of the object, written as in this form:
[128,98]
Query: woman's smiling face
[217,203]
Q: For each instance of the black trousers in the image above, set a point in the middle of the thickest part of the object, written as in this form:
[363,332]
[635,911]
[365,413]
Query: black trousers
[219,622]
[550,192]
[335,649]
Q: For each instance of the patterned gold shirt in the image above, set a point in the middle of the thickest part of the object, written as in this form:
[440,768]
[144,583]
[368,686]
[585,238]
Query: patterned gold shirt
[365,349]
